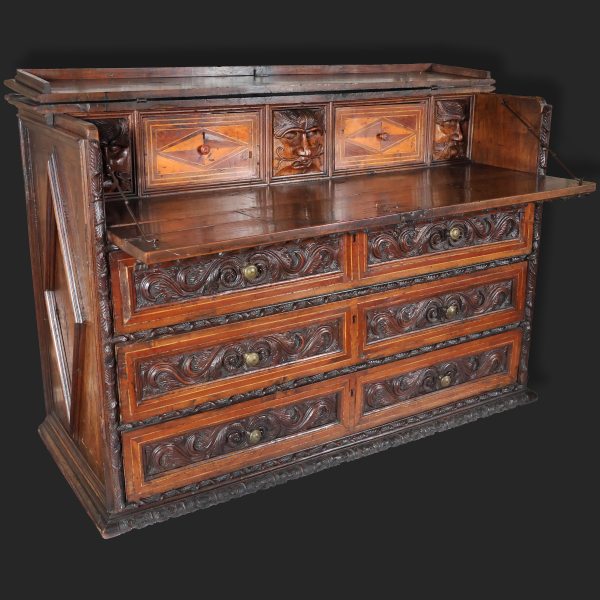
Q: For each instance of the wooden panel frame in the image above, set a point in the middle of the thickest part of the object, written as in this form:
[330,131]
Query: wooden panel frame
[377,417]
[440,261]
[379,162]
[134,441]
[128,319]
[69,376]
[128,355]
[149,184]
[517,273]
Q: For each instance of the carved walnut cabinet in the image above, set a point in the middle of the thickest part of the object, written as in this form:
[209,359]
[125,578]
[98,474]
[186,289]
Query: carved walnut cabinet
[244,275]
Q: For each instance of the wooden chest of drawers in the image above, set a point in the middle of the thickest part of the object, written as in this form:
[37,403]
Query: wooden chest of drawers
[246,274]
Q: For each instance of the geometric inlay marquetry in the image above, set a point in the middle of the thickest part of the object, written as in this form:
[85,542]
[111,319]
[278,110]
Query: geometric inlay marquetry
[194,149]
[379,136]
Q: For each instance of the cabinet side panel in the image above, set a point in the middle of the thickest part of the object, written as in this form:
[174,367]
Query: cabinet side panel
[500,136]
[59,222]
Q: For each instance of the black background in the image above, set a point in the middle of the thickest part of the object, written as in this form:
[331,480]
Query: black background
[513,494]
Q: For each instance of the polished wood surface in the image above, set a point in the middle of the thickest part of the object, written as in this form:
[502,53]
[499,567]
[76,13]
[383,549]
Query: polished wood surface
[202,223]
[243,275]
[82,85]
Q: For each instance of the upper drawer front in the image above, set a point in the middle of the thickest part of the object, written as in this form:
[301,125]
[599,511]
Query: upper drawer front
[199,149]
[226,282]
[431,245]
[181,371]
[380,135]
[177,453]
[436,378]
[427,313]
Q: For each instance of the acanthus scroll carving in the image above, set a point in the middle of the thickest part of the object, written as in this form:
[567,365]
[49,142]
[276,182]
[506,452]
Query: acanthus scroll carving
[425,237]
[258,429]
[386,322]
[431,379]
[214,274]
[162,374]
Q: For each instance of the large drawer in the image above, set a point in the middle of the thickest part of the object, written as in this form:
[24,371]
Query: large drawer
[196,149]
[174,454]
[423,246]
[379,135]
[427,313]
[166,293]
[414,385]
[184,370]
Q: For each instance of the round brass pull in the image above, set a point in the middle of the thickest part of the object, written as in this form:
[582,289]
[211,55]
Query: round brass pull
[250,272]
[455,234]
[451,311]
[251,359]
[383,136]
[445,381]
[254,436]
[204,149]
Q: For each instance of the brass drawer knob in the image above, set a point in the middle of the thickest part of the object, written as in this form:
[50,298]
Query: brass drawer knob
[250,272]
[455,234]
[383,136]
[251,359]
[451,311]
[445,381]
[254,436]
[204,149]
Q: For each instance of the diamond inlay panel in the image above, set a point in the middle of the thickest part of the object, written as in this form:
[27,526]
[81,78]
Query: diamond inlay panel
[379,135]
[202,148]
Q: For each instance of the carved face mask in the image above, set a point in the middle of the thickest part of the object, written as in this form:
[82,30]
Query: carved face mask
[449,139]
[299,146]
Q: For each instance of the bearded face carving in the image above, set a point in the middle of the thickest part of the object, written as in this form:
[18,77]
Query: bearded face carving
[298,141]
[451,129]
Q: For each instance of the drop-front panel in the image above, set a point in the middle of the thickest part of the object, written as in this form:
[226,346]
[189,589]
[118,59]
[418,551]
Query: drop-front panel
[247,274]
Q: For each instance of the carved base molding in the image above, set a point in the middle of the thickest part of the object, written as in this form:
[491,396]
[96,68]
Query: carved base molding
[237,484]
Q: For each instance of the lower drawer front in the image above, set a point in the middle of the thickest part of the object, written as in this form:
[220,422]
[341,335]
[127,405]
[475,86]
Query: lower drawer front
[174,454]
[180,371]
[436,378]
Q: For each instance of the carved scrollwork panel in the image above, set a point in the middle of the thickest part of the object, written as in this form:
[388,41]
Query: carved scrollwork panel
[218,273]
[238,435]
[161,374]
[427,380]
[390,321]
[419,238]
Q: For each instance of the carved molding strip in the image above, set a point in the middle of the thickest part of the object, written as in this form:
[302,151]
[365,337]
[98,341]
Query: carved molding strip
[390,321]
[210,442]
[425,381]
[530,286]
[217,273]
[113,439]
[257,477]
[187,326]
[423,237]
[159,374]
[297,383]
[544,138]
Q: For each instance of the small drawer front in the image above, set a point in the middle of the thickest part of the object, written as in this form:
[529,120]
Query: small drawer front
[378,136]
[436,378]
[173,454]
[431,245]
[147,296]
[171,373]
[199,149]
[427,313]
